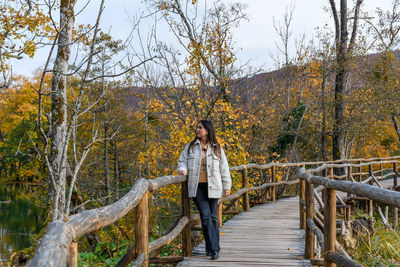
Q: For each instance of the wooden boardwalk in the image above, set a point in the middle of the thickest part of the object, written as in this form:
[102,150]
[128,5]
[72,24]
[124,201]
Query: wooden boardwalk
[267,235]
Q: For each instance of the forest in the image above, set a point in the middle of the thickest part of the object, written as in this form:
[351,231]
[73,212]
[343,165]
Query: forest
[106,110]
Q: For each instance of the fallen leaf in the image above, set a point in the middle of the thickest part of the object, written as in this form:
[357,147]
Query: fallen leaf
[222,233]
[289,249]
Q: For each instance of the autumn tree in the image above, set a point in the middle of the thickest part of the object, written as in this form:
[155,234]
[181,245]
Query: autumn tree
[24,25]
[344,50]
[386,36]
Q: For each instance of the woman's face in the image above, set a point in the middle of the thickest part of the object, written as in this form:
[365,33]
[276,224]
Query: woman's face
[201,132]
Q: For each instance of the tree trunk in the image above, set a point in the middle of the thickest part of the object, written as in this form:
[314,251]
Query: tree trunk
[323,107]
[116,166]
[396,126]
[59,141]
[343,50]
[338,146]
[106,171]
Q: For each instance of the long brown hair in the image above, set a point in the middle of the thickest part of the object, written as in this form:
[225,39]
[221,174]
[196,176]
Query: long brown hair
[211,138]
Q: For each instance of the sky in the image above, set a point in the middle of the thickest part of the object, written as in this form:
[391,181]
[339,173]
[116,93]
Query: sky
[255,39]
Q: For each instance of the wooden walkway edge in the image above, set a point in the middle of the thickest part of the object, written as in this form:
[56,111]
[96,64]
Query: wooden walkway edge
[267,235]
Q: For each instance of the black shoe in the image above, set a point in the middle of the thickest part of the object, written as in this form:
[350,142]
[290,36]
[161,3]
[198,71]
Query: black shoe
[214,254]
[208,252]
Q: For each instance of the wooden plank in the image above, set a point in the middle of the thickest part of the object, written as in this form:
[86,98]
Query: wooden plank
[267,235]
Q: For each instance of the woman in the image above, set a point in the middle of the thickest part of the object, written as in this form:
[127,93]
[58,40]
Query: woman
[205,163]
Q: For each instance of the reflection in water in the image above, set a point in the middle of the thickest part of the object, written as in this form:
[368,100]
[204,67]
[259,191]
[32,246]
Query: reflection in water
[19,219]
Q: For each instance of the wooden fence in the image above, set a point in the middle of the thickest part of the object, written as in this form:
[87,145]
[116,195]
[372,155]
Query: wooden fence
[58,246]
[321,223]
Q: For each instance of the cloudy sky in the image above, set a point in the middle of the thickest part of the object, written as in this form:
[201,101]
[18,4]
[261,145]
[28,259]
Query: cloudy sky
[256,38]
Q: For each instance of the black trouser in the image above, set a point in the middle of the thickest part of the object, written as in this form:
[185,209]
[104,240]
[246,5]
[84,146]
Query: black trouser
[208,208]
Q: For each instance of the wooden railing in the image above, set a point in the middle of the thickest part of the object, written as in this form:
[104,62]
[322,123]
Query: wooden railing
[321,223]
[58,246]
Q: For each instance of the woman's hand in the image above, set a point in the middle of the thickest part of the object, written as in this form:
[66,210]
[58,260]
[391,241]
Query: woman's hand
[182,172]
[227,192]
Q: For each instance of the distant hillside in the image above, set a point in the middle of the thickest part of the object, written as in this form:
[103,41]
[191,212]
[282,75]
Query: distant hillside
[260,84]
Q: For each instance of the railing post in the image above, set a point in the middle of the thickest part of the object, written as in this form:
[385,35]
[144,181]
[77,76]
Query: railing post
[359,172]
[310,239]
[186,233]
[220,214]
[348,208]
[302,189]
[273,180]
[245,184]
[72,259]
[329,223]
[142,228]
[395,209]
[370,202]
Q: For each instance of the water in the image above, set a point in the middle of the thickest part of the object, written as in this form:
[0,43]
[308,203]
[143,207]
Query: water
[19,219]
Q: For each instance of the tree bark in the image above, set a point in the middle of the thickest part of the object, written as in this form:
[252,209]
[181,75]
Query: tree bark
[338,146]
[59,141]
[106,171]
[343,50]
[116,165]
[323,107]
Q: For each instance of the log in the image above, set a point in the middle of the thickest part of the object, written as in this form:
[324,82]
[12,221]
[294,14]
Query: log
[368,180]
[141,245]
[370,208]
[383,218]
[318,198]
[168,238]
[53,246]
[160,182]
[139,260]
[395,218]
[320,236]
[382,195]
[329,222]
[309,248]
[72,260]
[340,260]
[244,190]
[166,259]
[319,222]
[376,181]
[302,204]
[319,215]
[220,214]
[245,184]
[186,233]
[338,247]
[344,165]
[273,180]
[339,163]
[141,230]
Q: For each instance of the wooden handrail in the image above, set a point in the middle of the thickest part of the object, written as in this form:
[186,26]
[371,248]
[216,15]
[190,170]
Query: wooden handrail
[162,241]
[378,194]
[53,246]
[332,252]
